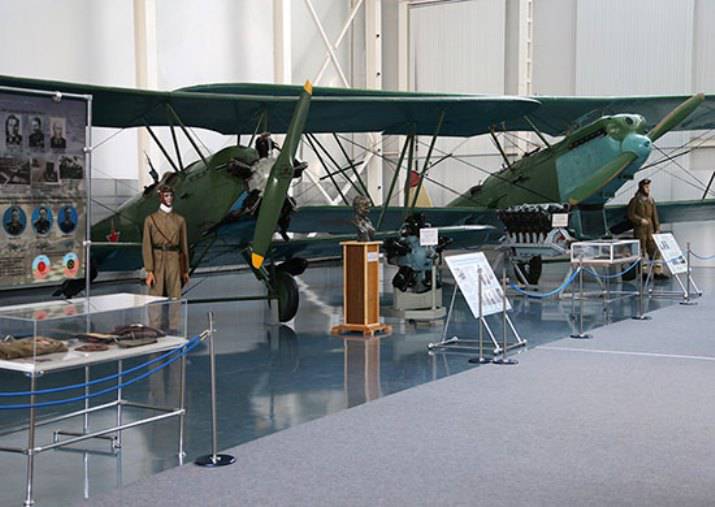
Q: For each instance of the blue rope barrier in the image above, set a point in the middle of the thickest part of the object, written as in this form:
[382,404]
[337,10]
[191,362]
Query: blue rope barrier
[608,277]
[101,380]
[701,257]
[541,295]
[184,350]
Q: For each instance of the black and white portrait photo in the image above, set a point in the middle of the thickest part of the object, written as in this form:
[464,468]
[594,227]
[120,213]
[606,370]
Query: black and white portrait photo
[57,127]
[13,130]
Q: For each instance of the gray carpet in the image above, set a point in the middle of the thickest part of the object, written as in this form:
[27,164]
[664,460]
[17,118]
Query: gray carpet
[623,419]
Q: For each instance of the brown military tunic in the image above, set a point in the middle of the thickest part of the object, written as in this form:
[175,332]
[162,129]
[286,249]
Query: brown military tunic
[642,207]
[164,237]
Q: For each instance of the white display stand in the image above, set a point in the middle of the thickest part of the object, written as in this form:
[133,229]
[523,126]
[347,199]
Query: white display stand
[677,264]
[602,254]
[484,299]
[61,320]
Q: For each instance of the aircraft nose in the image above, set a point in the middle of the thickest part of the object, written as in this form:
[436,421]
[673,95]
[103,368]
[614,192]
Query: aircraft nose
[637,144]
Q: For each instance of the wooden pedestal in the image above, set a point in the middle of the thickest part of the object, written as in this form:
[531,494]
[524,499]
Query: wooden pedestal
[361,289]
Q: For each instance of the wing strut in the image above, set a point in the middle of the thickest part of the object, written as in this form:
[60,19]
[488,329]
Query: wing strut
[355,171]
[335,163]
[499,147]
[327,170]
[707,189]
[410,158]
[427,159]
[537,131]
[186,133]
[395,175]
[161,147]
[176,144]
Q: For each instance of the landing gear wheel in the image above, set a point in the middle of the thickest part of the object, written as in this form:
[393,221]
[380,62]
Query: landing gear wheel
[532,269]
[287,293]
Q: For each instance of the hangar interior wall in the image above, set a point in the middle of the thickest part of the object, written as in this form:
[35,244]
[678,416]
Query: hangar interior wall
[579,47]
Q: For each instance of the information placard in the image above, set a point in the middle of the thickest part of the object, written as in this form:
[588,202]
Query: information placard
[465,269]
[429,236]
[42,188]
[671,253]
[560,220]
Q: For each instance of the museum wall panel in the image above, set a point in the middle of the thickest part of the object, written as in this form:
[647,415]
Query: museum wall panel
[458,47]
[74,40]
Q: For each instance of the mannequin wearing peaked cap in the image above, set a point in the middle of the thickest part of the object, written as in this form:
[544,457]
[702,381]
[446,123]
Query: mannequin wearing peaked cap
[643,216]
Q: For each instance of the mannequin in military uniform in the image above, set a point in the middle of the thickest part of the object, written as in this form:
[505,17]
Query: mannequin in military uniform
[643,215]
[163,244]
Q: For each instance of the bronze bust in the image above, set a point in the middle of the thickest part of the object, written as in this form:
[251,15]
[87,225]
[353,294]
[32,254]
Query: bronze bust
[361,220]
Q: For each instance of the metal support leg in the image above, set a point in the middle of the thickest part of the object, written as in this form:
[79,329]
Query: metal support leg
[30,445]
[434,285]
[118,441]
[504,360]
[580,334]
[182,403]
[686,294]
[481,359]
[85,420]
[443,340]
[640,315]
[214,459]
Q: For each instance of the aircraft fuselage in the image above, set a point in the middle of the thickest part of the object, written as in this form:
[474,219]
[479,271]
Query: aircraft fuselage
[204,195]
[556,173]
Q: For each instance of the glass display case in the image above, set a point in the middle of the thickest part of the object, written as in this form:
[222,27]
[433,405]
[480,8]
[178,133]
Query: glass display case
[55,335]
[42,338]
[605,251]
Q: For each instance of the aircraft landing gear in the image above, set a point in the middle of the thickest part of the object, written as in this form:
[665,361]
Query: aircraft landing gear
[286,292]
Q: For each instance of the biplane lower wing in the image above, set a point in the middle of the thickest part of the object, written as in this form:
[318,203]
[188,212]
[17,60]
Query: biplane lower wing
[228,251]
[338,219]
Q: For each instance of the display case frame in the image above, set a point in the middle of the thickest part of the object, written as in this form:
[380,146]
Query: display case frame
[86,314]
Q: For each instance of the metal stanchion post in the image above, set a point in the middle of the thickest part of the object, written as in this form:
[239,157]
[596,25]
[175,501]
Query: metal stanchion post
[117,443]
[481,359]
[504,360]
[30,444]
[581,334]
[641,294]
[214,459]
[686,297]
[434,285]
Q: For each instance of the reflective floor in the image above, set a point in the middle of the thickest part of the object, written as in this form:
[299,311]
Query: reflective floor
[274,377]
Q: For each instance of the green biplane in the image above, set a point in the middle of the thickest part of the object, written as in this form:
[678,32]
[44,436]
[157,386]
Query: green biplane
[584,169]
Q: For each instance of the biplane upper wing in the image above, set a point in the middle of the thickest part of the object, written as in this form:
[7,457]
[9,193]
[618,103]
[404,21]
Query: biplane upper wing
[556,115]
[226,112]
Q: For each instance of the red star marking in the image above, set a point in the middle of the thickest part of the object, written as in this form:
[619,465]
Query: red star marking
[113,237]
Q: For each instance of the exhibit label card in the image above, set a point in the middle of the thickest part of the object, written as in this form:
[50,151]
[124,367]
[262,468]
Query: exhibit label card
[465,269]
[429,236]
[671,253]
[42,188]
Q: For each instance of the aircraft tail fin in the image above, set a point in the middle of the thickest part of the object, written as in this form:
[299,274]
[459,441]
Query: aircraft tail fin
[423,198]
